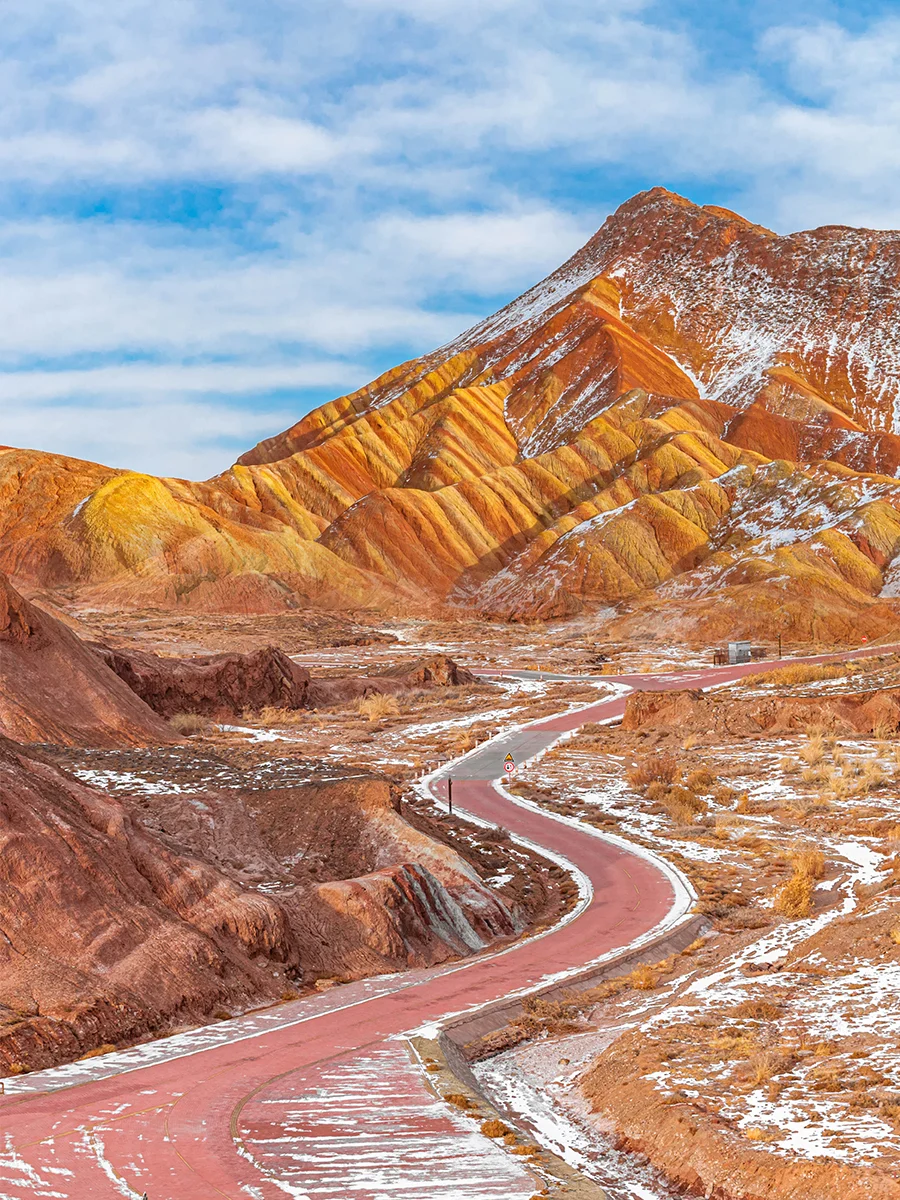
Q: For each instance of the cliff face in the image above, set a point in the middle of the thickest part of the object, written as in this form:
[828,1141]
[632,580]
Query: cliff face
[53,688]
[690,403]
[118,921]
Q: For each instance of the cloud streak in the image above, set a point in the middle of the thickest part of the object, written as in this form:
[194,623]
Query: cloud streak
[208,206]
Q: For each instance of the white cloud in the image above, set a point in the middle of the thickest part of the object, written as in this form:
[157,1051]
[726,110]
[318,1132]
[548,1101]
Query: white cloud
[376,174]
[137,433]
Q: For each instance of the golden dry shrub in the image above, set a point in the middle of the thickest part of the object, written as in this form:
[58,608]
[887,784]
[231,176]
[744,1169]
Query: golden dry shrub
[643,978]
[794,675]
[98,1050]
[277,717]
[871,777]
[684,795]
[763,1066]
[189,724]
[700,780]
[656,791]
[808,860]
[494,1128]
[681,814]
[661,768]
[814,750]
[377,706]
[794,898]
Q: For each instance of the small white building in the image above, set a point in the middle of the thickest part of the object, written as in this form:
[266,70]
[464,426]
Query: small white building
[738,652]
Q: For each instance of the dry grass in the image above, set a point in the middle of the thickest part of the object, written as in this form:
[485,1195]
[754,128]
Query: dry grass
[801,673]
[794,898]
[97,1051]
[764,1065]
[758,1010]
[662,768]
[814,751]
[808,860]
[690,741]
[378,706]
[871,777]
[895,935]
[701,780]
[494,1128]
[271,717]
[189,724]
[643,978]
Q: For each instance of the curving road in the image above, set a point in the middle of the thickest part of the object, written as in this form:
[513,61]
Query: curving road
[312,1099]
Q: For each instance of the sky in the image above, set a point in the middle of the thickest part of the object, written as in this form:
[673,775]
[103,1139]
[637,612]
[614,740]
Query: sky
[214,216]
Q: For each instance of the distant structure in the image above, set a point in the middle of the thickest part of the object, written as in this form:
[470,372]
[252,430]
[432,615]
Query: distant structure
[738,652]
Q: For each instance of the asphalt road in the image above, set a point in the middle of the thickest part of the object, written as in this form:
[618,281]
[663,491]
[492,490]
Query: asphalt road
[183,1118]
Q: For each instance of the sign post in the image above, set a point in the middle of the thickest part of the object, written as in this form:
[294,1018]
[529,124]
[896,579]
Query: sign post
[450,795]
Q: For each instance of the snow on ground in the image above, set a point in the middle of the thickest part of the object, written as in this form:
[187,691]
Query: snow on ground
[837,1026]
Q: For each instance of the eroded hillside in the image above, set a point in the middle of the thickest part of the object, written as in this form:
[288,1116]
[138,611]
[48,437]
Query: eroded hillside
[691,415]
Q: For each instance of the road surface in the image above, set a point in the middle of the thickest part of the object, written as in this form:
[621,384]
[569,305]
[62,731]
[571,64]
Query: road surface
[314,1099]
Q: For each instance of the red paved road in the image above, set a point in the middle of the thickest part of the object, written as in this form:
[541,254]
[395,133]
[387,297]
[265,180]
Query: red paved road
[178,1129]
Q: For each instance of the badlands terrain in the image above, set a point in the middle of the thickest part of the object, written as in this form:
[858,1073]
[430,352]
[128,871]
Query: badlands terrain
[228,710]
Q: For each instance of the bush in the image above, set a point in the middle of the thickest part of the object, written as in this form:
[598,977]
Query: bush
[97,1051]
[494,1128]
[189,724]
[643,978]
[794,675]
[701,780]
[813,752]
[794,898]
[271,716]
[377,706]
[807,860]
[663,768]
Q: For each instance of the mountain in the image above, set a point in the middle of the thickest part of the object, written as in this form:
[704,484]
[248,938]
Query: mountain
[692,415]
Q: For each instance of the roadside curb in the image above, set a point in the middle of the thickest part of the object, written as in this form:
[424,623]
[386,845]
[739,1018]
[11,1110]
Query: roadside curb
[455,1078]
[463,1039]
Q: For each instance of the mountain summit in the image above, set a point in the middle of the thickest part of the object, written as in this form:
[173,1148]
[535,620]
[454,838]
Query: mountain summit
[692,415]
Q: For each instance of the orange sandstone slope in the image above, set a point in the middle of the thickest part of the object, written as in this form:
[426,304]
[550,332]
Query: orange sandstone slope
[692,415]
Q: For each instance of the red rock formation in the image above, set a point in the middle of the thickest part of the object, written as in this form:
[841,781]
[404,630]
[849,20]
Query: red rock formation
[107,933]
[220,686]
[111,930]
[54,689]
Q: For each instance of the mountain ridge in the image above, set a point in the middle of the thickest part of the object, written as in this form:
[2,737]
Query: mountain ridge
[560,456]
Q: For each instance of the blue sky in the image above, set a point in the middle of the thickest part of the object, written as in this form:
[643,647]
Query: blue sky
[215,216]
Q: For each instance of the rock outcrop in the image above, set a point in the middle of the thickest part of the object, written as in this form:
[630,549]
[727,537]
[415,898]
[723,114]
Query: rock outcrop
[106,932]
[121,916]
[219,686]
[223,686]
[53,688]
[691,409]
[730,716]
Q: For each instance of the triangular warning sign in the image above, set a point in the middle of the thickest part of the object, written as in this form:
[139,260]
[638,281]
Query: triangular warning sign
[508,758]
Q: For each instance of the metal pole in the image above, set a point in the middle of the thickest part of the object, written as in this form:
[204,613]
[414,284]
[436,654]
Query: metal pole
[450,795]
